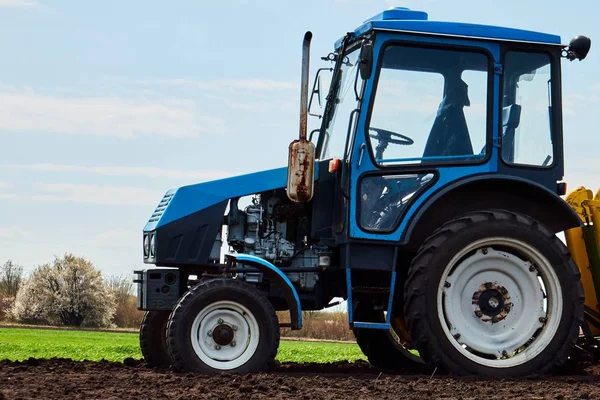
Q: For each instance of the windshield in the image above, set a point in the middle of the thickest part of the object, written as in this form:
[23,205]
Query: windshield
[341,102]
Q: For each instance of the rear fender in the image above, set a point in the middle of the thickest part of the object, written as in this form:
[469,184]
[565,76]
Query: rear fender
[486,192]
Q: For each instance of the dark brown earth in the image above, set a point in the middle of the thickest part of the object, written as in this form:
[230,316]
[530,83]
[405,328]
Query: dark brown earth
[66,379]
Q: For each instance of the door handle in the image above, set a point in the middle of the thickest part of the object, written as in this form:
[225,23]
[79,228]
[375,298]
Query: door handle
[360,155]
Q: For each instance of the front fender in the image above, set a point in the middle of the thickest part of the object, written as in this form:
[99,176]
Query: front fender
[274,274]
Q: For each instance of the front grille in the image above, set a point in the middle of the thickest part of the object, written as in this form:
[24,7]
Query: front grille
[162,206]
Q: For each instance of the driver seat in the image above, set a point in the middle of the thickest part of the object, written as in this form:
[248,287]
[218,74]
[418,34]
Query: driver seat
[449,134]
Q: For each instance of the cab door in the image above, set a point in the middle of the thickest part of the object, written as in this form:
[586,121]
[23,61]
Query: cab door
[431,120]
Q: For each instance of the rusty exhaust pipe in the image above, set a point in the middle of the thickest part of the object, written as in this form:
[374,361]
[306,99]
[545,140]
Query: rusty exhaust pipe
[304,84]
[301,160]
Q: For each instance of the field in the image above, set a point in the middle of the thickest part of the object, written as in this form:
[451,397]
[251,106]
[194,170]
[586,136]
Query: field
[48,364]
[20,344]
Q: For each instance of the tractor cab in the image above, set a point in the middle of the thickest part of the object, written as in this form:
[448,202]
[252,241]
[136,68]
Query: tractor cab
[415,105]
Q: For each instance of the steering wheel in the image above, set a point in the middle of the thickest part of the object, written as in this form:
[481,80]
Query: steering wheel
[386,136]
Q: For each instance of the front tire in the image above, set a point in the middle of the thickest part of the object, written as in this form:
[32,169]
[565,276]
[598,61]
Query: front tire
[152,339]
[494,294]
[223,325]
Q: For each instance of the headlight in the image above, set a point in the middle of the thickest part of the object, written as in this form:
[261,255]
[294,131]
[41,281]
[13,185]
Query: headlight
[146,245]
[152,246]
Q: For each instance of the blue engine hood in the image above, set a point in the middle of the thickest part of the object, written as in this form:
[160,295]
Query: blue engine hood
[186,200]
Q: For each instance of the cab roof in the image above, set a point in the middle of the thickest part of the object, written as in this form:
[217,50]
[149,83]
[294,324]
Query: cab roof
[403,19]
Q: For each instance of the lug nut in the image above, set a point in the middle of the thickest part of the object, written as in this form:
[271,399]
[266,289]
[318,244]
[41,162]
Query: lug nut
[485,250]
[488,285]
[542,319]
[220,321]
[218,347]
[234,327]
[447,284]
[504,353]
[233,343]
[478,314]
[476,296]
[495,319]
[507,308]
[503,291]
[209,333]
[457,336]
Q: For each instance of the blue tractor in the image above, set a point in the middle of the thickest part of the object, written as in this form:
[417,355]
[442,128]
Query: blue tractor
[429,199]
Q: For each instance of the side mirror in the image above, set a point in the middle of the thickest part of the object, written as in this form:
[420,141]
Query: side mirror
[578,48]
[365,60]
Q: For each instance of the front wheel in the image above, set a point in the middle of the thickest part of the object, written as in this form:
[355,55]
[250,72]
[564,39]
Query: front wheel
[152,339]
[223,325]
[494,294]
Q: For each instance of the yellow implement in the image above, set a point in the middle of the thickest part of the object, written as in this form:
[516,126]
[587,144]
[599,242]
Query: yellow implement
[584,244]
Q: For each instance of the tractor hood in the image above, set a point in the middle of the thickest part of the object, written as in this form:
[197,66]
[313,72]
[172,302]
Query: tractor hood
[186,200]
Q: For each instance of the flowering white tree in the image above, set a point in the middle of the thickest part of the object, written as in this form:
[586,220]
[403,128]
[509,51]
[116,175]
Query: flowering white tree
[69,291]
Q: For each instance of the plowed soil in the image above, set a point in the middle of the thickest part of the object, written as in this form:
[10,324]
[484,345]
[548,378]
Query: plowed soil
[66,379]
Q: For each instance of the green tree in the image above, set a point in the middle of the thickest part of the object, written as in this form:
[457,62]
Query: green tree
[11,277]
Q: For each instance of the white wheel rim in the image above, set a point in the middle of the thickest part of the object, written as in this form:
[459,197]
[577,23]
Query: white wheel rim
[238,338]
[525,298]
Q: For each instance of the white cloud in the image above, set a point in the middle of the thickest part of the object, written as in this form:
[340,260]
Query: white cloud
[151,172]
[110,116]
[14,233]
[574,103]
[19,3]
[245,84]
[126,238]
[97,194]
[90,194]
[5,185]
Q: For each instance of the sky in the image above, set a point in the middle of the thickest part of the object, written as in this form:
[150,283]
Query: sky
[105,105]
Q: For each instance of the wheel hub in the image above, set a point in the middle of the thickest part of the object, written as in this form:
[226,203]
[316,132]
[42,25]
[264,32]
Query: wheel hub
[491,302]
[223,334]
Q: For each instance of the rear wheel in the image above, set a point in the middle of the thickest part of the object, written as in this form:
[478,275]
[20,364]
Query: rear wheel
[387,349]
[153,340]
[223,325]
[494,294]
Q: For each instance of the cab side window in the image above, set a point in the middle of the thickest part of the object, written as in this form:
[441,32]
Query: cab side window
[526,123]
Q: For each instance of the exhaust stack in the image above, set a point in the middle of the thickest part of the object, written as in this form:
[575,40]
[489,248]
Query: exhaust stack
[304,84]
[301,160]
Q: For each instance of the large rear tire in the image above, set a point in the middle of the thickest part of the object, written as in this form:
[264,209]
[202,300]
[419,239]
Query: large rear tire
[153,339]
[386,349]
[495,294]
[223,325]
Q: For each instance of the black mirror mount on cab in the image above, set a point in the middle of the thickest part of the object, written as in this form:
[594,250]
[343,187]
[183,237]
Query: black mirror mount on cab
[578,48]
[365,62]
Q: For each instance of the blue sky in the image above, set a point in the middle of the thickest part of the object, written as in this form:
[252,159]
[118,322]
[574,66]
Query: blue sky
[106,105]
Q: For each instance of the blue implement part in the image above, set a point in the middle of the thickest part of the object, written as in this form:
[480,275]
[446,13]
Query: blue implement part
[186,200]
[275,274]
[372,325]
